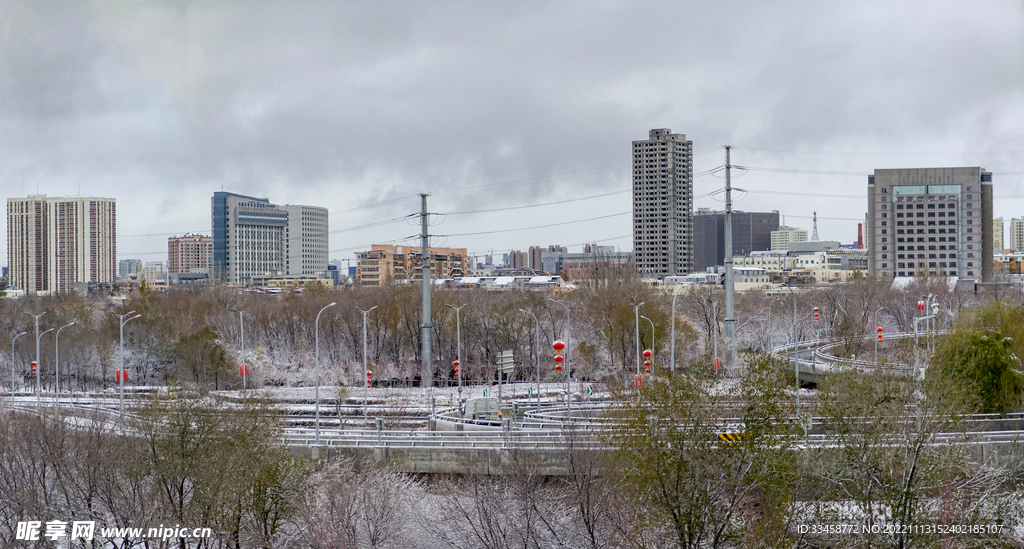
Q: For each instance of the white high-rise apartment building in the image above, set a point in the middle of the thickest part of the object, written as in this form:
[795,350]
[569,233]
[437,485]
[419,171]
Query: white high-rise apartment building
[782,237]
[252,237]
[663,205]
[930,221]
[54,243]
[1017,234]
[306,240]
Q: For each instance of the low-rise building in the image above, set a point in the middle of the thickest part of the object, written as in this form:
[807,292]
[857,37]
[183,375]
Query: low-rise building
[542,283]
[385,264]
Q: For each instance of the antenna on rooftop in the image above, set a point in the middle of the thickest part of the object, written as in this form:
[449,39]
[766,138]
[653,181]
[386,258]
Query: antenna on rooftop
[814,234]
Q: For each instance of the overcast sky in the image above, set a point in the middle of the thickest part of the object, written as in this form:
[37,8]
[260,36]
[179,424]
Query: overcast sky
[360,106]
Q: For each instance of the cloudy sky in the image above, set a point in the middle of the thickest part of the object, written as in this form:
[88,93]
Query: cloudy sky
[514,116]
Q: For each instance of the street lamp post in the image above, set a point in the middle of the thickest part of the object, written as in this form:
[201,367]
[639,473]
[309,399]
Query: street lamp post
[636,317]
[56,368]
[652,335]
[568,360]
[123,321]
[675,293]
[13,339]
[316,328]
[771,340]
[366,389]
[241,326]
[796,354]
[458,345]
[38,384]
[536,355]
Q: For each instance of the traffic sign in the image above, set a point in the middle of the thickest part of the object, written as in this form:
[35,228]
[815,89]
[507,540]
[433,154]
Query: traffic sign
[590,390]
[506,362]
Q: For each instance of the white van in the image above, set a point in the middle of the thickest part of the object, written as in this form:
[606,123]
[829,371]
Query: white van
[481,408]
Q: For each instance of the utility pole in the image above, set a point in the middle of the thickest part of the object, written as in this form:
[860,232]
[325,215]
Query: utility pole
[730,317]
[428,375]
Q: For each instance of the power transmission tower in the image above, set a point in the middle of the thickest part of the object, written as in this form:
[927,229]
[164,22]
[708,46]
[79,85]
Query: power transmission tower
[427,327]
[730,317]
[814,233]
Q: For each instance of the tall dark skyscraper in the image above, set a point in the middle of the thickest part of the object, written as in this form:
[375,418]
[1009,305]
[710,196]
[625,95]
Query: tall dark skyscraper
[663,205]
[751,232]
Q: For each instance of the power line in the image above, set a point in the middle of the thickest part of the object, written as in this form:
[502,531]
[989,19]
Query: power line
[795,193]
[813,172]
[532,180]
[368,225]
[869,153]
[557,203]
[540,226]
[375,204]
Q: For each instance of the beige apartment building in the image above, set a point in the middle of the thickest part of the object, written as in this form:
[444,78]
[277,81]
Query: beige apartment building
[189,253]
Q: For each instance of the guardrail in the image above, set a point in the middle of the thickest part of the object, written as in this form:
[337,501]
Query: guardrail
[823,359]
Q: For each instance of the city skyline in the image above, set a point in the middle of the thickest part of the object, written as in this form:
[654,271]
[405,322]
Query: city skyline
[502,108]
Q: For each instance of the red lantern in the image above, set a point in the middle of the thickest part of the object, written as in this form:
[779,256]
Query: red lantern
[369,373]
[816,313]
[456,370]
[931,357]
[33,367]
[558,345]
[647,363]
[456,364]
[879,333]
[559,358]
[648,370]
[558,367]
[647,353]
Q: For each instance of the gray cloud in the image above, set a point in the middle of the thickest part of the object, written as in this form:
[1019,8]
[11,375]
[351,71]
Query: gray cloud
[349,103]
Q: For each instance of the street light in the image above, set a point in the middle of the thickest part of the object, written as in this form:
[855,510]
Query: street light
[56,368]
[652,332]
[366,389]
[13,339]
[316,329]
[675,294]
[568,361]
[38,385]
[458,345]
[771,340]
[536,355]
[636,315]
[241,326]
[120,371]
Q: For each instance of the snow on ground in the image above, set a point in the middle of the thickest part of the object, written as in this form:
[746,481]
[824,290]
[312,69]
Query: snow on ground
[420,396]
